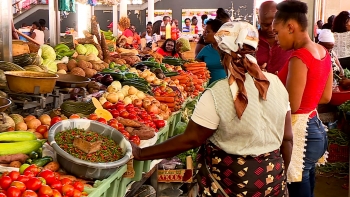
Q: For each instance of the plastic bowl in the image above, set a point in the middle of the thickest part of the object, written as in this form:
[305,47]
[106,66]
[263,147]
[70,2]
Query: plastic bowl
[340,97]
[4,104]
[85,169]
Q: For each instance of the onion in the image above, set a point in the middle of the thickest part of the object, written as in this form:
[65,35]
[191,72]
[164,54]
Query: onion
[34,123]
[156,102]
[21,126]
[153,109]
[132,90]
[29,118]
[164,107]
[146,102]
[137,103]
[45,119]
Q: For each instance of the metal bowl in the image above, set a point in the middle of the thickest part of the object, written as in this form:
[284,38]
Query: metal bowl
[85,169]
[4,103]
[71,81]
[30,82]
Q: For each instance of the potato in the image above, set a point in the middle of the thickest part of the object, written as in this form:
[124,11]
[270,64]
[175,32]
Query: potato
[70,177]
[38,135]
[53,166]
[15,164]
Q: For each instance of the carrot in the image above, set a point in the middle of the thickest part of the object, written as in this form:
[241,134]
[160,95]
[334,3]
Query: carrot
[171,94]
[198,87]
[165,99]
[195,68]
[184,81]
[179,77]
[197,64]
[170,105]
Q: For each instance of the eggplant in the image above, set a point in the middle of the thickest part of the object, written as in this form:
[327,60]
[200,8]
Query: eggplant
[98,77]
[141,67]
[144,58]
[107,80]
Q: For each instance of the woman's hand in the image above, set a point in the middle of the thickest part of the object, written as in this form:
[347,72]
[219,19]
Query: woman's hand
[136,151]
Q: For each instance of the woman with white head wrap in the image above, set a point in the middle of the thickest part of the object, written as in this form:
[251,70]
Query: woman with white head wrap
[245,146]
[326,39]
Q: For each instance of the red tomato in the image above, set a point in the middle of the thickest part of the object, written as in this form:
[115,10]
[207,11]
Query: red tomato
[67,190]
[120,107]
[125,133]
[54,120]
[135,139]
[115,113]
[159,123]
[113,123]
[4,195]
[120,127]
[48,175]
[102,120]
[78,186]
[56,193]
[56,185]
[76,193]
[107,105]
[45,190]
[23,178]
[32,168]
[66,181]
[74,116]
[44,195]
[14,175]
[93,117]
[43,181]
[2,191]
[29,193]
[132,117]
[29,174]
[5,182]
[57,176]
[42,129]
[124,114]
[13,192]
[33,184]
[19,185]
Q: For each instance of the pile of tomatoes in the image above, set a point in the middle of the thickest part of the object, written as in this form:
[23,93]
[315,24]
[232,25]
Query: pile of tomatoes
[32,182]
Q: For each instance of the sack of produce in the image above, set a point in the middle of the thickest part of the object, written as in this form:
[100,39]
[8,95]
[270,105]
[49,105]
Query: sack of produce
[185,45]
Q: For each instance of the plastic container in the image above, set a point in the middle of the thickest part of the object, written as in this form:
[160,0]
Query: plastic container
[338,153]
[25,31]
[110,186]
[340,97]
[84,169]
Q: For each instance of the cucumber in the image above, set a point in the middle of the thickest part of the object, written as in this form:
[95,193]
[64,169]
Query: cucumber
[42,161]
[17,136]
[116,76]
[148,63]
[170,74]
[33,155]
[137,80]
[24,147]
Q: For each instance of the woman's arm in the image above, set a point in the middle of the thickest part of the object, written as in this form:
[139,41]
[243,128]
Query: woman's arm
[338,64]
[199,47]
[194,136]
[143,35]
[287,143]
[296,82]
[327,92]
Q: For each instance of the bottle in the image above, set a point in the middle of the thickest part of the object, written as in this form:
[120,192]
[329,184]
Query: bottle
[168,31]
[193,29]
[173,32]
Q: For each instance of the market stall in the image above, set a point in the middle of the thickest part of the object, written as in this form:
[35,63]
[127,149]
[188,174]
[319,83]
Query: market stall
[70,111]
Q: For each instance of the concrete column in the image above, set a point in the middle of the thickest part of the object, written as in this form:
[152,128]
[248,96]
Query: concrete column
[311,16]
[54,22]
[123,8]
[150,11]
[115,20]
[6,16]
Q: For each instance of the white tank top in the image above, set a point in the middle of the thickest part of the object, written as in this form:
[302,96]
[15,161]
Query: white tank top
[148,38]
[39,36]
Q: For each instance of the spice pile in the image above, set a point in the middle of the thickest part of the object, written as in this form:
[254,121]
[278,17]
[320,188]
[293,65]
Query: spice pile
[109,152]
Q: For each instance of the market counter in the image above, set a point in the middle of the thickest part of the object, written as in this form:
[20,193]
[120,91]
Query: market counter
[187,55]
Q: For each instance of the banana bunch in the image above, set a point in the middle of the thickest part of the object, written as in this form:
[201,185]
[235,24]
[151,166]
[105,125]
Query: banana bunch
[63,50]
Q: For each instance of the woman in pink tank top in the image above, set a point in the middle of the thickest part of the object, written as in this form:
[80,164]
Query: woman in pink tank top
[308,78]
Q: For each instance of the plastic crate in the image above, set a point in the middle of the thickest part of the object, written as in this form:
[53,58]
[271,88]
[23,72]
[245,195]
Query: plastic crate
[111,185]
[163,134]
[175,119]
[138,167]
[123,183]
[338,153]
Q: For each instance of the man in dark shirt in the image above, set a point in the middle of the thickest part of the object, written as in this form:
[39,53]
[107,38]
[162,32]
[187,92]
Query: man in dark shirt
[269,52]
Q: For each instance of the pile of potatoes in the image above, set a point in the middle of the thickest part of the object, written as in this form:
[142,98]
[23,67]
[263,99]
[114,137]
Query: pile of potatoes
[85,66]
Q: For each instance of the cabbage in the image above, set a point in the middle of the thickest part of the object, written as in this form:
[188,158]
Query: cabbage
[91,49]
[51,65]
[180,128]
[81,49]
[186,46]
[48,52]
